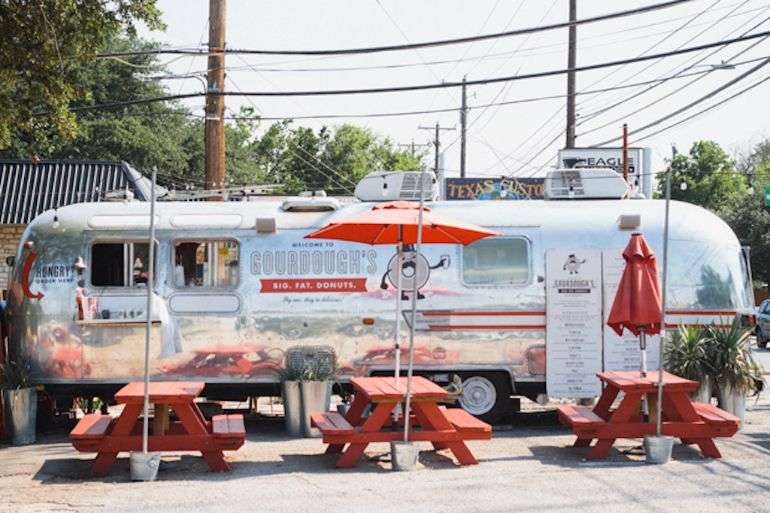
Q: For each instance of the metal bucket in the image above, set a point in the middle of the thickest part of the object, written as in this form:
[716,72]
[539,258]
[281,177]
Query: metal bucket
[291,407]
[403,455]
[732,401]
[20,414]
[316,396]
[144,466]
[658,448]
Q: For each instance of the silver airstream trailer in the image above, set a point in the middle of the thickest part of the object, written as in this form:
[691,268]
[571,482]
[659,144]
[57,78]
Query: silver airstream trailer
[237,286]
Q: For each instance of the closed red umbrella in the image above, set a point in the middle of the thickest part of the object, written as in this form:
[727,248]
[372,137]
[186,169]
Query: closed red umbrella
[637,303]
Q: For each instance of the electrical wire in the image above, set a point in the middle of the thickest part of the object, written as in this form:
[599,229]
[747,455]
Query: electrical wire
[693,103]
[703,111]
[426,44]
[689,20]
[403,113]
[539,74]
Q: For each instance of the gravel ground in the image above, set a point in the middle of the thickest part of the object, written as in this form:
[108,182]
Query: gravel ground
[529,466]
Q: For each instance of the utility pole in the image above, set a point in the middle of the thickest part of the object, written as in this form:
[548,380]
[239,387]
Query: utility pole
[436,141]
[214,135]
[463,127]
[571,63]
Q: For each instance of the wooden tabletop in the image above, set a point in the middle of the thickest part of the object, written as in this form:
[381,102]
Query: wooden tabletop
[160,391]
[381,389]
[632,380]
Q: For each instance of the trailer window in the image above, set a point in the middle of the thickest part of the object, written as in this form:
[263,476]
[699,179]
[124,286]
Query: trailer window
[119,264]
[496,262]
[206,263]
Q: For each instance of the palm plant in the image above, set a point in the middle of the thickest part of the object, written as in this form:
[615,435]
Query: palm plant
[687,354]
[733,361]
[16,374]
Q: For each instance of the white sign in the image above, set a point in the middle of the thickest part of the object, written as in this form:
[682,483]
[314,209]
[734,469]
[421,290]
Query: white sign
[622,353]
[573,322]
[639,163]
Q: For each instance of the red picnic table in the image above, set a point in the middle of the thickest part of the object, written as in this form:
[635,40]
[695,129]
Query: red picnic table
[693,423]
[109,436]
[445,428]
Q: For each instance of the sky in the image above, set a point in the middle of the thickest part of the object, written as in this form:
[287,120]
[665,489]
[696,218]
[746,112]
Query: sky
[502,140]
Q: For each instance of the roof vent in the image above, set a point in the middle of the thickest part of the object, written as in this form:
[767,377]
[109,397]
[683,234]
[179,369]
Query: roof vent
[397,185]
[310,204]
[585,183]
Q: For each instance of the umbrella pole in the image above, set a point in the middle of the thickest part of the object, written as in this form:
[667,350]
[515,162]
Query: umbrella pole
[397,336]
[663,304]
[410,366]
[150,283]
[643,348]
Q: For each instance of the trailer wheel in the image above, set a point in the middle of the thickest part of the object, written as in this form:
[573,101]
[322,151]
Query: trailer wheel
[486,395]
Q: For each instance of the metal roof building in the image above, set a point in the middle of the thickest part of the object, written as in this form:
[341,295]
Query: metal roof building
[29,188]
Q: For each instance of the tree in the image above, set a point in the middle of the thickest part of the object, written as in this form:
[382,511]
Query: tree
[43,46]
[749,217]
[710,175]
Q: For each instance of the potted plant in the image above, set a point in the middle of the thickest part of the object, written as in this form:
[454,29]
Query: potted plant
[19,399]
[736,372]
[292,401]
[688,355]
[315,391]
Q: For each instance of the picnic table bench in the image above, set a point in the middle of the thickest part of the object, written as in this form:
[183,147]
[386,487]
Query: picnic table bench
[445,428]
[693,423]
[108,436]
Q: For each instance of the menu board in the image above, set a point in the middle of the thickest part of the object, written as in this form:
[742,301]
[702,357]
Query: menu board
[622,353]
[574,322]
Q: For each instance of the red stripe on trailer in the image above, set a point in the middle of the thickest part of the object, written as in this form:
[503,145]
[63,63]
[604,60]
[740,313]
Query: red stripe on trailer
[444,313]
[450,327]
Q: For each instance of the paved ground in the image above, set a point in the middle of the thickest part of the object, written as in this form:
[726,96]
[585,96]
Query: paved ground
[762,356]
[526,468]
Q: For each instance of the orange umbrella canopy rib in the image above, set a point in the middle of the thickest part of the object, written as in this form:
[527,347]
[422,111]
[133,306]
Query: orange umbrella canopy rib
[396,221]
[637,303]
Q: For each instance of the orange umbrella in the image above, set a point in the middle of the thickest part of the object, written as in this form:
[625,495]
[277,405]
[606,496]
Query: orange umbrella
[637,303]
[396,222]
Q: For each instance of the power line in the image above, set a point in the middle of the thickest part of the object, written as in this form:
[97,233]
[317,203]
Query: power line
[522,51]
[668,95]
[426,44]
[617,103]
[540,74]
[403,113]
[694,102]
[689,20]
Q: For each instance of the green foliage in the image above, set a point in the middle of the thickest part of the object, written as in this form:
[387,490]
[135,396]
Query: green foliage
[16,374]
[164,135]
[731,356]
[43,47]
[687,353]
[717,182]
[710,175]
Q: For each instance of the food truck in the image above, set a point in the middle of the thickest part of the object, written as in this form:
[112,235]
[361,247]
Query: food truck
[237,287]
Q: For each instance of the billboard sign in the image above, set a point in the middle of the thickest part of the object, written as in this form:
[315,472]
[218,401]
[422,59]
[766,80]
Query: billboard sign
[639,163]
[493,188]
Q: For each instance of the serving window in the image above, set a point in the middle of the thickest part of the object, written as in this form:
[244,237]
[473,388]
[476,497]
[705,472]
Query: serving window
[498,261]
[120,264]
[210,263]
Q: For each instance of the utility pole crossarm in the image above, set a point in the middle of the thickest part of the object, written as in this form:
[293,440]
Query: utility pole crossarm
[436,141]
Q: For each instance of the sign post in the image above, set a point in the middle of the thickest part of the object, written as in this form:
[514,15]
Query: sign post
[767,197]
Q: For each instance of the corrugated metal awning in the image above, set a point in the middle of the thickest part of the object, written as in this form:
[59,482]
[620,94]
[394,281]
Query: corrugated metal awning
[28,189]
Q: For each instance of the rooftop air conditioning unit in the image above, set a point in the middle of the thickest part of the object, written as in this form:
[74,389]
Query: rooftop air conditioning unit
[585,183]
[397,185]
